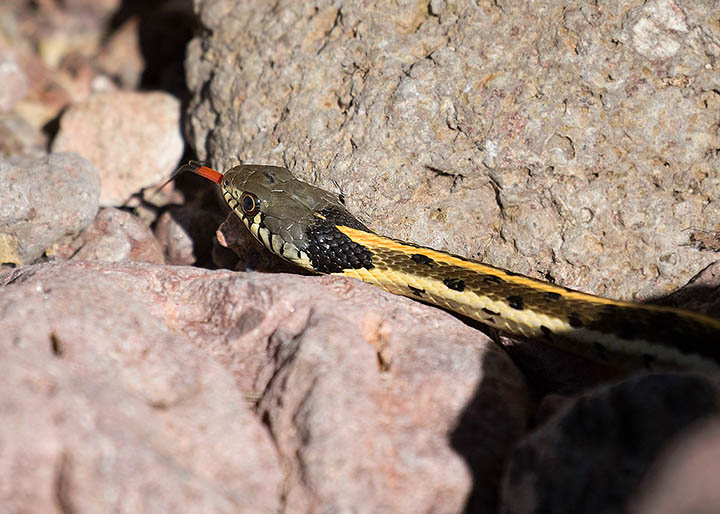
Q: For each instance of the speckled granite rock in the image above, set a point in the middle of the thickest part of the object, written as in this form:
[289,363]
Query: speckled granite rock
[133,138]
[569,142]
[132,377]
[43,199]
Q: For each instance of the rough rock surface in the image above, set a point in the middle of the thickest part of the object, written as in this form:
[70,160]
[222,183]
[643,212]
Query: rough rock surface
[41,200]
[568,142]
[114,236]
[133,139]
[132,377]
[105,409]
[592,455]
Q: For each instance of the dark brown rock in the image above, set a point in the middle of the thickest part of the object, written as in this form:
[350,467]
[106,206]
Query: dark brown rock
[685,478]
[593,454]
[701,294]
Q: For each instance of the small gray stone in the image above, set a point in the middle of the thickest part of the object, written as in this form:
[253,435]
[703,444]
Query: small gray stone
[17,136]
[42,200]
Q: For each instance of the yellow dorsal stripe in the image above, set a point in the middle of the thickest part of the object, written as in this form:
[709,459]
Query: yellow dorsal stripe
[370,240]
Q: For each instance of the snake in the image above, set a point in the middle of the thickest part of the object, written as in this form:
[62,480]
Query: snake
[311,228]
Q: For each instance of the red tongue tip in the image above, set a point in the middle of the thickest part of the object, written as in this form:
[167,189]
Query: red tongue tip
[197,168]
[208,173]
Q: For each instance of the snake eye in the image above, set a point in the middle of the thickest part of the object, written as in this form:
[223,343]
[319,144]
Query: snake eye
[249,203]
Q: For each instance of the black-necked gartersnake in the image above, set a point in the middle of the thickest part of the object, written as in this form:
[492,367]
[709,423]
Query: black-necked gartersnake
[310,227]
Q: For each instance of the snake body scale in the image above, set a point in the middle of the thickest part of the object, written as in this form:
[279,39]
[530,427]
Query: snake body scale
[311,228]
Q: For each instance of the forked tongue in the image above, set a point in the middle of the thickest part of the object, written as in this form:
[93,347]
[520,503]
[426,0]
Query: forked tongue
[199,169]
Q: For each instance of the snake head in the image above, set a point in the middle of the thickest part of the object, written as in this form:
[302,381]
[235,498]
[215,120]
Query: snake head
[290,217]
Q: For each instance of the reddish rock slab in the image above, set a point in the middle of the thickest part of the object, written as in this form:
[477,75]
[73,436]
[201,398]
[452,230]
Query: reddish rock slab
[365,402]
[105,409]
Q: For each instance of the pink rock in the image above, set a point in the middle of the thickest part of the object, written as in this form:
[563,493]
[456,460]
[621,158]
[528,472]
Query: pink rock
[132,138]
[114,236]
[105,409]
[122,56]
[186,235]
[134,377]
[13,79]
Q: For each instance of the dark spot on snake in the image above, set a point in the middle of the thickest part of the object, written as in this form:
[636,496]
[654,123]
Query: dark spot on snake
[512,273]
[553,297]
[455,284]
[601,351]
[417,292]
[419,258]
[516,302]
[625,329]
[270,177]
[574,320]
[491,313]
[546,331]
[492,279]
